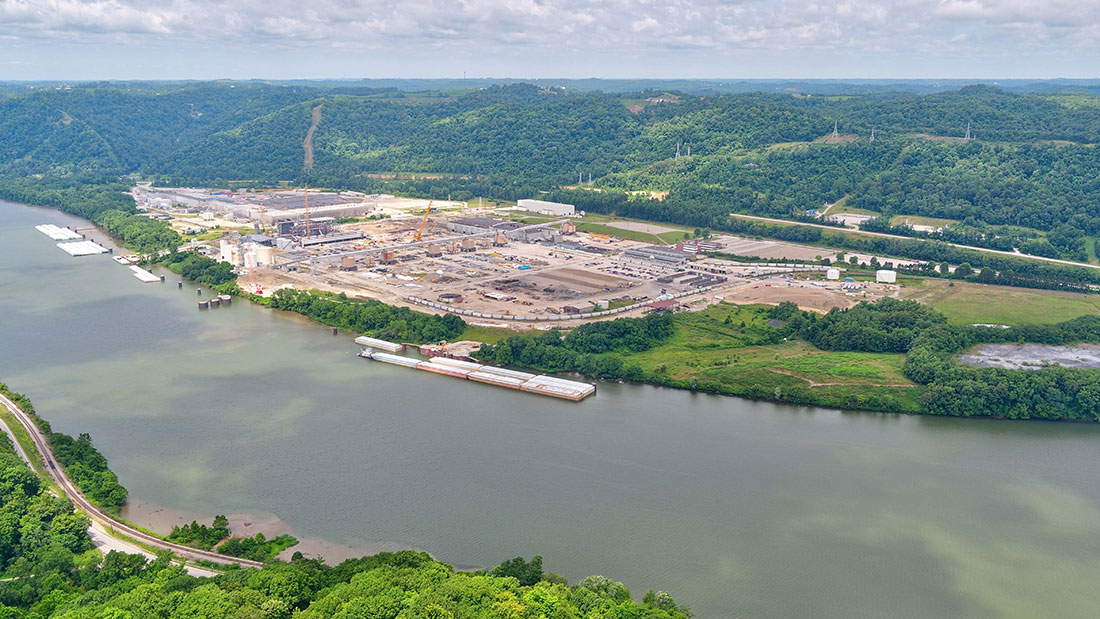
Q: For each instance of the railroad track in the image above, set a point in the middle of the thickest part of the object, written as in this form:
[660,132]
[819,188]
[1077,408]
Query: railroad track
[95,513]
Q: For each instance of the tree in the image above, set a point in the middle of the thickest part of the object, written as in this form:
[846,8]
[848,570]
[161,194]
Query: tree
[527,573]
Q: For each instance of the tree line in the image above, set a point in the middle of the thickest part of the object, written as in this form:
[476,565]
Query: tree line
[372,317]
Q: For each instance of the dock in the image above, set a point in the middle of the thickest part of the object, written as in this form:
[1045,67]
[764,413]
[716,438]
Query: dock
[82,248]
[488,374]
[58,233]
[143,275]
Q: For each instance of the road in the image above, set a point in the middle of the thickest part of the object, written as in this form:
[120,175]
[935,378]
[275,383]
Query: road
[101,521]
[910,238]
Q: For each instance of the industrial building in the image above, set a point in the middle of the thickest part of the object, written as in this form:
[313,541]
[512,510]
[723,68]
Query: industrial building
[512,230]
[557,209]
[659,254]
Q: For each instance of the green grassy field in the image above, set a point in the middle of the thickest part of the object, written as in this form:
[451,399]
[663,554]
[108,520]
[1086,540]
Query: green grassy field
[632,235]
[487,335]
[966,303]
[707,352]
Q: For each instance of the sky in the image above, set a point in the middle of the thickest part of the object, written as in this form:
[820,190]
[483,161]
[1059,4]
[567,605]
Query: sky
[732,39]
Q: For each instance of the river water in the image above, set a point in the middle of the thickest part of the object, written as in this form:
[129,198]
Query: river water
[737,508]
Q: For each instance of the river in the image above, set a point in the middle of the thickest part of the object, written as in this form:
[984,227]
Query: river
[737,508]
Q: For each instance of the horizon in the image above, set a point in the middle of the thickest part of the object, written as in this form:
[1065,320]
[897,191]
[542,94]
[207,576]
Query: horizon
[91,40]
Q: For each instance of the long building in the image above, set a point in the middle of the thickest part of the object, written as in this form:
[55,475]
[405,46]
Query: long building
[515,231]
[557,209]
[657,253]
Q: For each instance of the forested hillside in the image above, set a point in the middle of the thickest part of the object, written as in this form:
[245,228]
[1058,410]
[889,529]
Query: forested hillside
[1029,178]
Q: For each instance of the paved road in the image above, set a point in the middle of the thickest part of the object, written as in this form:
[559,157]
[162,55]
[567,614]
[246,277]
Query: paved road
[898,236]
[101,520]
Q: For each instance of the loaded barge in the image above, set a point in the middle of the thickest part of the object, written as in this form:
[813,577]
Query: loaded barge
[492,375]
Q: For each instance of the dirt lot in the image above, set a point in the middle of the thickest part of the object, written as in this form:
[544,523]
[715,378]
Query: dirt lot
[740,246]
[1033,356]
[806,296]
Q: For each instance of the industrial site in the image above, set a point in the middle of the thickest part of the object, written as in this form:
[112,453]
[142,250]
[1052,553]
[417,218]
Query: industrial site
[515,264]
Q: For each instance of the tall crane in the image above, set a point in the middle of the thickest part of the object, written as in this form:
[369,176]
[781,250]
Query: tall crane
[423,222]
[307,212]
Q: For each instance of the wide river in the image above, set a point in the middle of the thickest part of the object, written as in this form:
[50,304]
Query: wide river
[737,508]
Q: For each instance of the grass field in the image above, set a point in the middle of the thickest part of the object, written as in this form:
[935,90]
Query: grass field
[706,352]
[966,303]
[487,335]
[917,220]
[665,238]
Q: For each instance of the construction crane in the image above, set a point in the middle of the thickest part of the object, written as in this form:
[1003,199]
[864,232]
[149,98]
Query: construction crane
[307,212]
[255,284]
[423,222]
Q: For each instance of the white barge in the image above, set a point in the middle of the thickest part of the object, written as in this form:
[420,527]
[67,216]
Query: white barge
[477,372]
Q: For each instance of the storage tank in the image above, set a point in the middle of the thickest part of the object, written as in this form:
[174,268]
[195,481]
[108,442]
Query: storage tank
[265,256]
[250,260]
[225,251]
[434,250]
[885,276]
[833,274]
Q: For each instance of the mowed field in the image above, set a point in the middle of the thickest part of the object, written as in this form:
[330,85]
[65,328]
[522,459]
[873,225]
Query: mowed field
[707,352]
[966,303]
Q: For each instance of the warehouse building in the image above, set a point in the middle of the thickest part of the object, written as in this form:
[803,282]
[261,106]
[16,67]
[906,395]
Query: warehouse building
[512,230]
[557,209]
[657,253]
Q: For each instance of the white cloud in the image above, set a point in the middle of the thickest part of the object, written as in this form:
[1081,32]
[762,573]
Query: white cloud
[548,27]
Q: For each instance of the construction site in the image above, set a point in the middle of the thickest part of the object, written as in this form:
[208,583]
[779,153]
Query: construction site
[491,264]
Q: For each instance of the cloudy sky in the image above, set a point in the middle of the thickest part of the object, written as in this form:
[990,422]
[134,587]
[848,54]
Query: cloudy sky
[136,39]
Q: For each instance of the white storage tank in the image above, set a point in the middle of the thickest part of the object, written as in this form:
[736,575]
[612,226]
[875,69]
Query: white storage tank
[833,274]
[884,276]
[265,255]
[225,251]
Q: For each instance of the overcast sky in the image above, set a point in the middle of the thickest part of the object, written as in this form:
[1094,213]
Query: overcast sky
[139,39]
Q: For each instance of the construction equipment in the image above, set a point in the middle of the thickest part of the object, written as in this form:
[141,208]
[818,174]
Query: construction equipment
[423,222]
[307,212]
[255,284]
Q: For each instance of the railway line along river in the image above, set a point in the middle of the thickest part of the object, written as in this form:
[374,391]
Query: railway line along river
[738,508]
